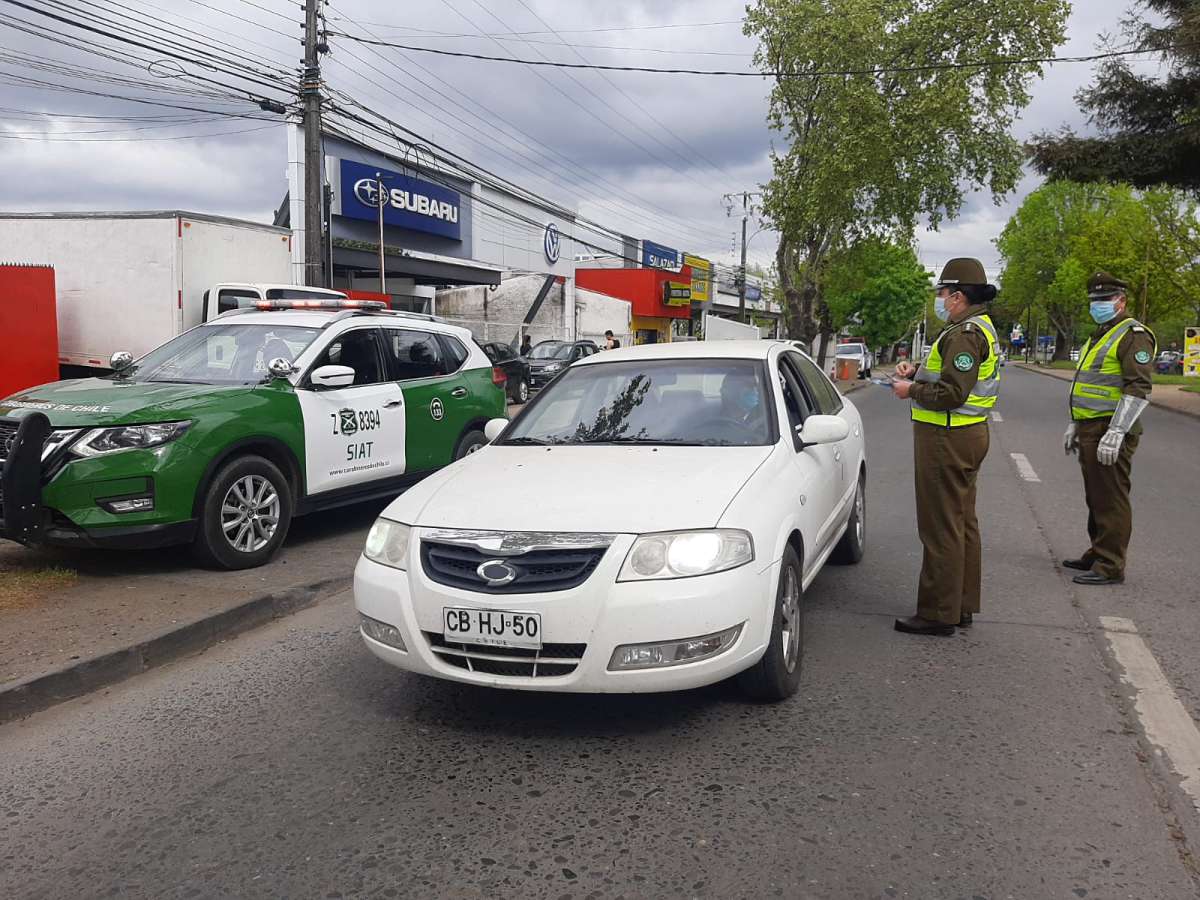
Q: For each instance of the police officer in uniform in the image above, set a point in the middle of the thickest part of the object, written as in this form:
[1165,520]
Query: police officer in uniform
[1111,389]
[952,394]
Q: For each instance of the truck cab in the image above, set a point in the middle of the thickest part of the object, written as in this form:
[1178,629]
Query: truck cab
[221,298]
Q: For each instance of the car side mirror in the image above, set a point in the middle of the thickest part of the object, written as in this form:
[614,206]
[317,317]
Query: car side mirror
[120,361]
[332,377]
[822,430]
[280,367]
[494,428]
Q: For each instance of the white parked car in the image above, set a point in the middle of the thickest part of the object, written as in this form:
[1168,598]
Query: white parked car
[857,352]
[649,523]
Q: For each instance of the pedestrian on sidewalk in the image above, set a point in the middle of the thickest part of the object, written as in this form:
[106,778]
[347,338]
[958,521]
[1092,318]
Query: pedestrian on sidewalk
[526,345]
[610,342]
[1110,391]
[951,393]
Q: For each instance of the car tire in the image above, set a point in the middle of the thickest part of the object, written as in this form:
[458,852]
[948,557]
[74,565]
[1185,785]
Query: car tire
[865,374]
[777,675]
[522,392]
[245,493]
[469,443]
[853,545]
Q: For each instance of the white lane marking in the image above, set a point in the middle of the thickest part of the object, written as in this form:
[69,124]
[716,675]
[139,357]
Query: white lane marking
[1024,468]
[1166,720]
[996,417]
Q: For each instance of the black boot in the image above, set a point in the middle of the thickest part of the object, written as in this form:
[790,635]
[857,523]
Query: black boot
[1081,564]
[1097,578]
[918,625]
[965,620]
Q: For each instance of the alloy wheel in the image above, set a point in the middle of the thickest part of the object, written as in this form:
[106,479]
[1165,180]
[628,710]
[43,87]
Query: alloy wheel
[860,515]
[523,391]
[790,625]
[250,513]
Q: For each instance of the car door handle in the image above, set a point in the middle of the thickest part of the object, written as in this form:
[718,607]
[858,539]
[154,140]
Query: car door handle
[459,392]
[392,404]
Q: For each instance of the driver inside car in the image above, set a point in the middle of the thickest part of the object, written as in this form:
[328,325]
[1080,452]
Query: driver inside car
[741,400]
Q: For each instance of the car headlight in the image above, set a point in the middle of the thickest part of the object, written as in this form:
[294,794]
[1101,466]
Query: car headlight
[100,441]
[387,544]
[553,367]
[684,554]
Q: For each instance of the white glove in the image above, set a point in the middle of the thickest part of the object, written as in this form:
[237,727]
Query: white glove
[1109,447]
[1070,440]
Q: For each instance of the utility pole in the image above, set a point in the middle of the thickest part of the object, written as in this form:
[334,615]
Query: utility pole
[742,285]
[314,191]
[382,264]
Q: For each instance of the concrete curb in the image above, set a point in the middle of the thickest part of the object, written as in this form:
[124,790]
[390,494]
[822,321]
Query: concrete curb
[33,693]
[1157,404]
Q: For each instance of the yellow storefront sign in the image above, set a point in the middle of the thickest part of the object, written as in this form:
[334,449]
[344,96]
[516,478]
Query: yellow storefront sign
[701,277]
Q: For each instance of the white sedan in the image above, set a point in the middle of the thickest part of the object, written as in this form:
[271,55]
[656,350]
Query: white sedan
[648,523]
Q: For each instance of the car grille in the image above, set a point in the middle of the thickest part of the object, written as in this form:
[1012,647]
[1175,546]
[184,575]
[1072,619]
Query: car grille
[54,443]
[538,571]
[513,662]
[8,431]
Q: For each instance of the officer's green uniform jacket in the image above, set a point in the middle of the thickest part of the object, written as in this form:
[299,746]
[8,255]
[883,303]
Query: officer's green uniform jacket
[1136,354]
[963,349]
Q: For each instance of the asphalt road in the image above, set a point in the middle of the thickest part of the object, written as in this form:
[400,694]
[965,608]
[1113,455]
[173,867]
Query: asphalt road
[1007,761]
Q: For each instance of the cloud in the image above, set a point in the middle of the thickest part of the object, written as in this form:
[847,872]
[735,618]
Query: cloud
[651,155]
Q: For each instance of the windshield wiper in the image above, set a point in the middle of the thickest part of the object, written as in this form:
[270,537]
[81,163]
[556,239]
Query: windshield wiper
[527,441]
[674,442]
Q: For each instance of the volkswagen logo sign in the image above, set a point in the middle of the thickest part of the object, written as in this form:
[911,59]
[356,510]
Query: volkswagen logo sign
[552,243]
[368,193]
[496,572]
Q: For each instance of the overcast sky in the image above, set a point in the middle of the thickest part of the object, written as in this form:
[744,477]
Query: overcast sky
[651,155]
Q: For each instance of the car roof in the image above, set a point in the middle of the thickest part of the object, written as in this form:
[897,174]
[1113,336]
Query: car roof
[749,349]
[322,318]
[271,286]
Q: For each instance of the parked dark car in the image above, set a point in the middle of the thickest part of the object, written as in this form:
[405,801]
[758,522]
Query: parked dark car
[548,358]
[515,367]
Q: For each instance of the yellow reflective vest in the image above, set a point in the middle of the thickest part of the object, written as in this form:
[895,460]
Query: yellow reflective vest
[983,395]
[1096,390]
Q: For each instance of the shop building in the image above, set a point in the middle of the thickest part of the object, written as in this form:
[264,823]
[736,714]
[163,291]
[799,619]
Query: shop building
[658,298]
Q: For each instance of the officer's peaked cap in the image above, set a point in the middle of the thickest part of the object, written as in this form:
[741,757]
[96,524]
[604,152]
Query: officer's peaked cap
[1102,284]
[963,270]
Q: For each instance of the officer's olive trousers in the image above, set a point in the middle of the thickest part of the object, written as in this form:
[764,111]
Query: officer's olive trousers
[946,464]
[1106,489]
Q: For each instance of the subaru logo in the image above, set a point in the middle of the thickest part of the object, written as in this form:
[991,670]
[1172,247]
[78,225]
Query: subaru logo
[496,572]
[368,193]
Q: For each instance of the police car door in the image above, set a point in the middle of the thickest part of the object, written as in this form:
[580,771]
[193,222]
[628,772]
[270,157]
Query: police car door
[352,434]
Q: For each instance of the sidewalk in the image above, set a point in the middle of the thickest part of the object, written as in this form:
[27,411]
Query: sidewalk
[1166,396]
[74,621]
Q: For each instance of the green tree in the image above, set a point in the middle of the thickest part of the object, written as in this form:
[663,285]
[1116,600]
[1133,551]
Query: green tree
[871,150]
[1149,124]
[878,288]
[1065,231]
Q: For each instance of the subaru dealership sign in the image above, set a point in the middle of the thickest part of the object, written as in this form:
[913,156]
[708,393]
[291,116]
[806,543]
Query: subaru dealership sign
[407,202]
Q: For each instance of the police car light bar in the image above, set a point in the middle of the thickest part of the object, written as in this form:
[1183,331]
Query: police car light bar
[319,304]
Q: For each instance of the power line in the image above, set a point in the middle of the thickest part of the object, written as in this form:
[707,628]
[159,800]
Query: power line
[175,137]
[815,73]
[519,36]
[566,30]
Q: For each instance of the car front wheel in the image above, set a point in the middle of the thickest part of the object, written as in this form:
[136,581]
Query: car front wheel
[777,675]
[244,514]
[469,443]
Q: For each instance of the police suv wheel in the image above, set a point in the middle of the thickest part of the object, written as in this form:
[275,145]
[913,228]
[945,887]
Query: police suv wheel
[470,443]
[777,675]
[244,514]
[853,545]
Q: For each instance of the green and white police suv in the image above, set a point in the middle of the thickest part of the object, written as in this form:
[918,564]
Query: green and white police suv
[223,434]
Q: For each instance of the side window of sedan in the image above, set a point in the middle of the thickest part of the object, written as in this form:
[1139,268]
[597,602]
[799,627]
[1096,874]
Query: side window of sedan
[824,394]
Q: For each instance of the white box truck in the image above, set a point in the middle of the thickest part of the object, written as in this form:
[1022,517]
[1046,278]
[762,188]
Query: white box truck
[131,281]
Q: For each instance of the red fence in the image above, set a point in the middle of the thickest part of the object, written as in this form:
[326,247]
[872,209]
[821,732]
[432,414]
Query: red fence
[29,326]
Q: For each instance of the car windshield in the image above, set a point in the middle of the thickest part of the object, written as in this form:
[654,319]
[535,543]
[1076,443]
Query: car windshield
[227,353]
[550,350]
[850,350]
[695,402]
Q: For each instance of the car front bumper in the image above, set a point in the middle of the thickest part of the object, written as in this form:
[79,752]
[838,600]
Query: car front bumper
[538,379]
[600,614]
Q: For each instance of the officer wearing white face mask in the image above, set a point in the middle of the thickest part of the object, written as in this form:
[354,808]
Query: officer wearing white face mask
[952,394]
[1110,391]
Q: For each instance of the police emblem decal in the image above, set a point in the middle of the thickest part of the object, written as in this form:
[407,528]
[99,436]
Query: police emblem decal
[347,421]
[436,409]
[963,362]
[1142,356]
